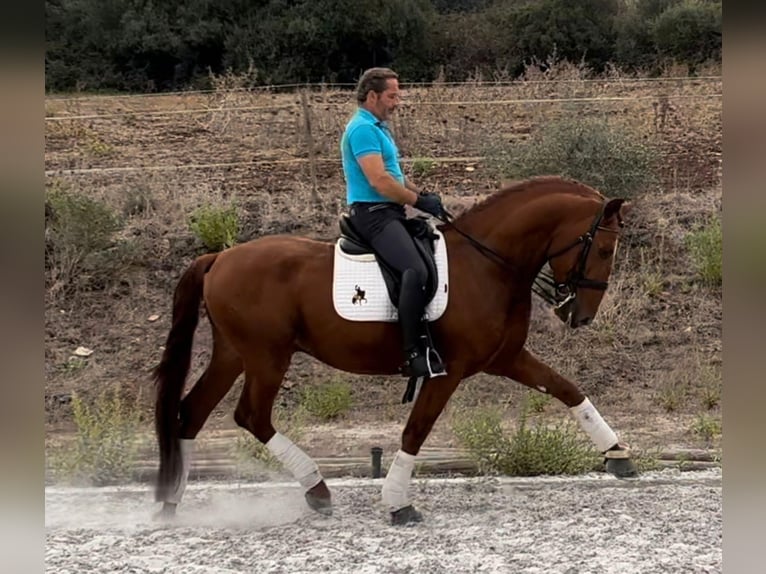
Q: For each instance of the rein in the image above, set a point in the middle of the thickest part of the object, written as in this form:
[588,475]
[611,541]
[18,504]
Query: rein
[483,249]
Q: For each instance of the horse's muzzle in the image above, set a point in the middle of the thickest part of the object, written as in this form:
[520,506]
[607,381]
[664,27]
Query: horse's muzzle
[568,313]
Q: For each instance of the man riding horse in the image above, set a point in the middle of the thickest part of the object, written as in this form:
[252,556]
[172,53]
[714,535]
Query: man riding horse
[376,192]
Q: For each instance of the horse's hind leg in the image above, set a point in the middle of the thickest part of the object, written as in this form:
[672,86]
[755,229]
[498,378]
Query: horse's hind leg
[263,378]
[224,368]
[530,371]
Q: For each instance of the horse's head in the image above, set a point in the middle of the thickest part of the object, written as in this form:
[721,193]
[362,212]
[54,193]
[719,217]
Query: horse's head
[582,262]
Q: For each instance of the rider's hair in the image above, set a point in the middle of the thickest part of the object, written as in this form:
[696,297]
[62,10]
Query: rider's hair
[373,80]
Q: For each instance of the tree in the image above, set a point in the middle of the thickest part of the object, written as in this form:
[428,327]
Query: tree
[574,31]
[689,32]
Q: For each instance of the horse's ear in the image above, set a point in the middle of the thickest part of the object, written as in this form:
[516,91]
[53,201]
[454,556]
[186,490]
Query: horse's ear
[618,207]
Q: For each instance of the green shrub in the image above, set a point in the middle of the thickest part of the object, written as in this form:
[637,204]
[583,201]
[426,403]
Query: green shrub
[529,451]
[217,227]
[327,401]
[537,401]
[689,32]
[138,201]
[706,248]
[706,426]
[105,447]
[78,225]
[672,394]
[710,391]
[422,166]
[480,432]
[77,229]
[605,155]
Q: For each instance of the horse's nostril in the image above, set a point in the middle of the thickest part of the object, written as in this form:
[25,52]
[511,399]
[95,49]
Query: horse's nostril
[584,322]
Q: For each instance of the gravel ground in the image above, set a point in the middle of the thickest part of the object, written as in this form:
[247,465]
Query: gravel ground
[665,521]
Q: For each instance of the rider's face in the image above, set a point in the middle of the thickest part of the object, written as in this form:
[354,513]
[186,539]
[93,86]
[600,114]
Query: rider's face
[384,104]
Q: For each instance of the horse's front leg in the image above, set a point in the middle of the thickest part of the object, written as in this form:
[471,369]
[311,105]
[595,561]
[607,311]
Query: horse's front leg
[428,406]
[530,371]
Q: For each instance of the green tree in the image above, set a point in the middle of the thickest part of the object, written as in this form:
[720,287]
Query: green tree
[689,32]
[574,31]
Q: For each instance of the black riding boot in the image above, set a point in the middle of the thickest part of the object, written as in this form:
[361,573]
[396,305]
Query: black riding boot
[420,361]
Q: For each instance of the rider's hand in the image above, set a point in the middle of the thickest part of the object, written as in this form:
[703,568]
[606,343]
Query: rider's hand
[430,203]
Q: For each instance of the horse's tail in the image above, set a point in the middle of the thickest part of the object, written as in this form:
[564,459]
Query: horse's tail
[171,373]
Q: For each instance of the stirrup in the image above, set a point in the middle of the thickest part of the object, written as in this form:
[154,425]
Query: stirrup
[435,364]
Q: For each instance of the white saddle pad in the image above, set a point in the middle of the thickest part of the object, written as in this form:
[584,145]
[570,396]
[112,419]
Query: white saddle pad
[359,292]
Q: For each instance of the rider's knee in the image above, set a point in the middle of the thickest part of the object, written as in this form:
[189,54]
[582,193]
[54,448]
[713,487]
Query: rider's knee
[416,274]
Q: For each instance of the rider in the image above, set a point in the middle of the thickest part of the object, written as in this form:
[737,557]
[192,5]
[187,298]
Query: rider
[376,191]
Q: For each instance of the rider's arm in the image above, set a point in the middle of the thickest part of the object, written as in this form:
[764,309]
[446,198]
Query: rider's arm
[364,144]
[383,182]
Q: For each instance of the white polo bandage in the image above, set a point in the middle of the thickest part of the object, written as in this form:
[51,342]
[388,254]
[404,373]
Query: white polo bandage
[396,484]
[594,425]
[187,447]
[303,467]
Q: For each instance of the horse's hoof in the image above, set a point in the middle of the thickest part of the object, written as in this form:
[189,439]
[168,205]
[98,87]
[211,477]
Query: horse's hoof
[167,513]
[405,516]
[619,464]
[320,499]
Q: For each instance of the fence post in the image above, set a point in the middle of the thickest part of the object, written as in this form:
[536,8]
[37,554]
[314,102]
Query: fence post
[310,143]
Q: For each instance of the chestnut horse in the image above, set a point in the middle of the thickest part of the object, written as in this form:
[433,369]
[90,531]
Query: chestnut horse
[270,297]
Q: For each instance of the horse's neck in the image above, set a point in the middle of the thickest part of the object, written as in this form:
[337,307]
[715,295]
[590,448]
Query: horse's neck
[521,231]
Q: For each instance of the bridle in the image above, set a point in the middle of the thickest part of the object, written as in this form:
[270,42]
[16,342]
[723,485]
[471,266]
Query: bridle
[563,292]
[545,285]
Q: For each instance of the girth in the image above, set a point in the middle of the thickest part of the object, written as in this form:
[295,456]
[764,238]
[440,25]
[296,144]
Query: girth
[353,244]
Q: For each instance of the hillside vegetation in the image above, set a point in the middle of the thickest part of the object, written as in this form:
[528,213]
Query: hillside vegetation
[137,186]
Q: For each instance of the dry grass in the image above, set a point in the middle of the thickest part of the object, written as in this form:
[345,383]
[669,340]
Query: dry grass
[253,146]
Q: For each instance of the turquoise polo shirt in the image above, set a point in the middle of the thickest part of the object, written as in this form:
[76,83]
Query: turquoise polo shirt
[365,134]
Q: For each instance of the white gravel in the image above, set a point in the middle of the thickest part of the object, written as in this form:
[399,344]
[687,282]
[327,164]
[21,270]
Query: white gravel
[665,521]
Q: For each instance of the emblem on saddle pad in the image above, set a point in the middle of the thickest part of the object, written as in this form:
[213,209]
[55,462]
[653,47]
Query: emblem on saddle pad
[358,296]
[373,303]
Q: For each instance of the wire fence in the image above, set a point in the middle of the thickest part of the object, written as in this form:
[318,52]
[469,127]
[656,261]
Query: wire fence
[277,107]
[301,128]
[348,85]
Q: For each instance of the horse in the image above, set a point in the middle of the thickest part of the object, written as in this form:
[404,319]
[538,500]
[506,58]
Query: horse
[271,297]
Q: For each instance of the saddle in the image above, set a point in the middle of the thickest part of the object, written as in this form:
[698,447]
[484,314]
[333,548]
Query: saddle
[421,232]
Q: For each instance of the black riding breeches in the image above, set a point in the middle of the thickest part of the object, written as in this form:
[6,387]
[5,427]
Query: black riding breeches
[382,225]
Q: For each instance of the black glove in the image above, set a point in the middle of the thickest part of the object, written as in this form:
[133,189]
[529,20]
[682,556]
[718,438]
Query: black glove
[430,203]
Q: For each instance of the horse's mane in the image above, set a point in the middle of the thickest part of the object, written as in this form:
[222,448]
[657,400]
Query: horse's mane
[552,183]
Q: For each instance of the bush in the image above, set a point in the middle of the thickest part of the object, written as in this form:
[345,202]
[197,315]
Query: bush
[530,451]
[77,229]
[706,248]
[421,167]
[106,443]
[689,32]
[706,427]
[480,432]
[217,227]
[327,401]
[597,152]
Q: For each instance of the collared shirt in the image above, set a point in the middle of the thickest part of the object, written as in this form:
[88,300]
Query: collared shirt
[365,134]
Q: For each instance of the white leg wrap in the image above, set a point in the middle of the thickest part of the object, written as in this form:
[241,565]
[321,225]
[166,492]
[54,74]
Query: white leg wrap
[187,447]
[594,426]
[303,467]
[396,485]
